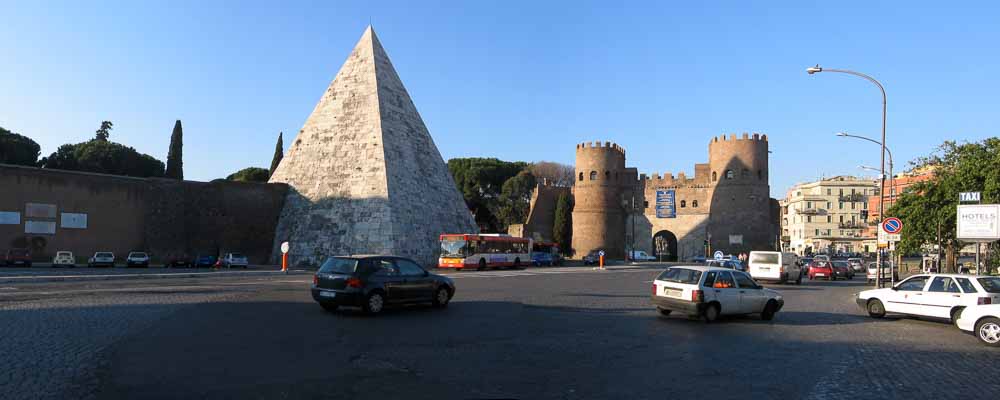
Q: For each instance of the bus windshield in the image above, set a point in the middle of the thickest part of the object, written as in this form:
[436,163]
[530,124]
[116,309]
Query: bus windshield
[452,247]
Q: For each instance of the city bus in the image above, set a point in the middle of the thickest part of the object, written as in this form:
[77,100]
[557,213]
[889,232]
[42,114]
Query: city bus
[483,251]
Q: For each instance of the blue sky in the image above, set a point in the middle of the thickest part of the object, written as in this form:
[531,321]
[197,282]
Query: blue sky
[512,80]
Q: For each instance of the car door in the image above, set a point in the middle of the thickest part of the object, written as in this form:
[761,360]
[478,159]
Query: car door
[387,274]
[726,292]
[907,296]
[942,294]
[419,286]
[751,295]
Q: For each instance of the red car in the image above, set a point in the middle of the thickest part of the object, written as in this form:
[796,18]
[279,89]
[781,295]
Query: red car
[841,269]
[821,269]
[18,257]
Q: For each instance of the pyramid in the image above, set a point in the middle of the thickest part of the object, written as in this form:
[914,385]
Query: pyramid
[364,174]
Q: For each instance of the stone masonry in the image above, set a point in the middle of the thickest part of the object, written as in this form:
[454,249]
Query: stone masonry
[365,176]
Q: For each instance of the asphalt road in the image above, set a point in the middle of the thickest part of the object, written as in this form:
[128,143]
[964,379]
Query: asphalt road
[549,333]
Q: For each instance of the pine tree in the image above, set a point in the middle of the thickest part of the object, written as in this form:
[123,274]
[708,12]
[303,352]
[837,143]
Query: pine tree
[562,228]
[105,131]
[175,159]
[279,153]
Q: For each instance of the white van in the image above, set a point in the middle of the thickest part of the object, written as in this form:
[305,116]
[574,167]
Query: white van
[775,266]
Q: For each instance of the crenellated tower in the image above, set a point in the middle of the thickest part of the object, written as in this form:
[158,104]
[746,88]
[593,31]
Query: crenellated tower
[740,214]
[598,212]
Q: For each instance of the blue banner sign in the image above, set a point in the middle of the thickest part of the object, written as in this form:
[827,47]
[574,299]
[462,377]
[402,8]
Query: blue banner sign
[665,207]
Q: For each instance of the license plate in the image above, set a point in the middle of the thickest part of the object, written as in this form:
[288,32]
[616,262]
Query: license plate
[672,292]
[327,294]
[820,274]
[764,268]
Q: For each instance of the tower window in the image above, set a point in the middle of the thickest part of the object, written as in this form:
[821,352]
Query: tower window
[581,176]
[593,175]
[607,175]
[694,203]
[683,203]
[715,176]
[730,174]
[760,174]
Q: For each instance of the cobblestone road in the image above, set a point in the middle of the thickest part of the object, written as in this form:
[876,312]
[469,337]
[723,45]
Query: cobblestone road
[561,333]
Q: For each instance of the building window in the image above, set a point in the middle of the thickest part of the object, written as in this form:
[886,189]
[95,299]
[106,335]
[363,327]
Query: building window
[607,175]
[852,205]
[729,174]
[828,205]
[581,177]
[829,218]
[841,205]
[760,175]
[593,175]
[683,203]
[841,219]
[817,232]
[841,192]
[854,218]
[827,232]
[829,192]
[694,203]
[645,204]
[809,204]
[714,176]
[809,218]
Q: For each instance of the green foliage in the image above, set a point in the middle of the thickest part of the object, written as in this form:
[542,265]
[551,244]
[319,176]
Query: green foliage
[279,153]
[928,209]
[104,132]
[250,174]
[481,182]
[18,149]
[104,157]
[175,156]
[562,228]
[515,198]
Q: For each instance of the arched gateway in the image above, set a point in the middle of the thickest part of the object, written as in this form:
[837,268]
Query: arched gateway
[665,246]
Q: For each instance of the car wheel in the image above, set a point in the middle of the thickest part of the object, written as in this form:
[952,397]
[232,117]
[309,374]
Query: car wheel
[769,310]
[441,297]
[663,311]
[329,307]
[876,309]
[711,313]
[988,331]
[374,303]
[482,265]
[956,314]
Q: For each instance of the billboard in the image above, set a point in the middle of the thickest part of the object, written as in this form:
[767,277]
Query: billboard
[10,218]
[978,222]
[665,207]
[40,227]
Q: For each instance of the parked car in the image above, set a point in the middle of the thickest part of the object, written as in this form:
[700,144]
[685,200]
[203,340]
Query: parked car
[102,259]
[540,258]
[178,261]
[592,258]
[983,321]
[639,255]
[235,260]
[206,261]
[857,264]
[373,282]
[821,257]
[941,296]
[841,269]
[872,270]
[64,259]
[137,259]
[708,292]
[775,266]
[18,257]
[821,269]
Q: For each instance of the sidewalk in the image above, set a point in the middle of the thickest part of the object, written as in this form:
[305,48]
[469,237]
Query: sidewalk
[36,275]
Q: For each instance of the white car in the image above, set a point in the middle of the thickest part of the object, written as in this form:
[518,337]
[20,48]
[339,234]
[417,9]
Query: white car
[102,259]
[775,266]
[64,258]
[137,259]
[983,321]
[639,255]
[872,270]
[935,295]
[708,292]
[233,260]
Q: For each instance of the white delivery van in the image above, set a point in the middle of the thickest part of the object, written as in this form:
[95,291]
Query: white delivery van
[774,266]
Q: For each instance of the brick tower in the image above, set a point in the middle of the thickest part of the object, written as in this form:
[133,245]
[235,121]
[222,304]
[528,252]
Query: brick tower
[598,213]
[364,173]
[740,219]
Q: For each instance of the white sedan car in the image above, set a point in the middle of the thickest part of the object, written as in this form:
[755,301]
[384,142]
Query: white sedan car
[983,321]
[708,292]
[941,296]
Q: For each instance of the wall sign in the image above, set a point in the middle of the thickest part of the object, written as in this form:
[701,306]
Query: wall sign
[40,227]
[665,207]
[979,222]
[10,218]
[73,221]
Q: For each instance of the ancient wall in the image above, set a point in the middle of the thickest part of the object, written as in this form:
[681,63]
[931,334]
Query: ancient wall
[542,213]
[162,216]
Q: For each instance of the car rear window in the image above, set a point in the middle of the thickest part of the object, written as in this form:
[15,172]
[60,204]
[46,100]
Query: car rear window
[764,258]
[138,254]
[237,255]
[336,265]
[992,285]
[680,275]
[104,255]
[839,263]
[966,285]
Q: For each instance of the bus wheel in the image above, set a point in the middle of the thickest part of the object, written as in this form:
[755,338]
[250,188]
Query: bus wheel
[482,264]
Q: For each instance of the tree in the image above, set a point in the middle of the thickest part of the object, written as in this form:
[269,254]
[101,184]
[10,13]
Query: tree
[480,180]
[279,153]
[562,228]
[17,149]
[515,198]
[250,174]
[554,173]
[175,158]
[104,132]
[104,157]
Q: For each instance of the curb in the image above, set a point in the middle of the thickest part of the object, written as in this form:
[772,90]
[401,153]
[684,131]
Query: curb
[85,278]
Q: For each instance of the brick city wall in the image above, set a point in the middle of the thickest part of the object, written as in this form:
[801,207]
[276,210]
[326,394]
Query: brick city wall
[164,217]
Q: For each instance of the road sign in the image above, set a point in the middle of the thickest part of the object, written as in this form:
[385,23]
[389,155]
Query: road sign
[600,253]
[969,197]
[892,225]
[718,255]
[885,238]
[284,248]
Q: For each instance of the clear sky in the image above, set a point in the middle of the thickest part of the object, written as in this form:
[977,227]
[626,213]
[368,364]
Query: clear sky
[512,80]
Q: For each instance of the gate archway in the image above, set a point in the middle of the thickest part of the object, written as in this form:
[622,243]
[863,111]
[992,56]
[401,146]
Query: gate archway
[665,246]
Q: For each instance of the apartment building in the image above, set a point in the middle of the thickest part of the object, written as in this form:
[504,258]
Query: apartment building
[828,215]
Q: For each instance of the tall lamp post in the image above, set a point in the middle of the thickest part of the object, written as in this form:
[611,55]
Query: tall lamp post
[881,199]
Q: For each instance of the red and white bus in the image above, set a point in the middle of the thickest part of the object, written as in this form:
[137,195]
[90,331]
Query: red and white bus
[484,251]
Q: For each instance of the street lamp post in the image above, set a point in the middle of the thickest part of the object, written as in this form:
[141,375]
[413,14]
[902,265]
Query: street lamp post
[881,199]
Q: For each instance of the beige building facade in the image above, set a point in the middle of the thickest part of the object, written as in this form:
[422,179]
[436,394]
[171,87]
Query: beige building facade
[828,215]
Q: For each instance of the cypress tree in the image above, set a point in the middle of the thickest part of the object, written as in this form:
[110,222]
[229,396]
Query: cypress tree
[175,162]
[279,153]
[562,228]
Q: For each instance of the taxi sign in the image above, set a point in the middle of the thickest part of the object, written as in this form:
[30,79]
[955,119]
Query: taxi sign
[718,255]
